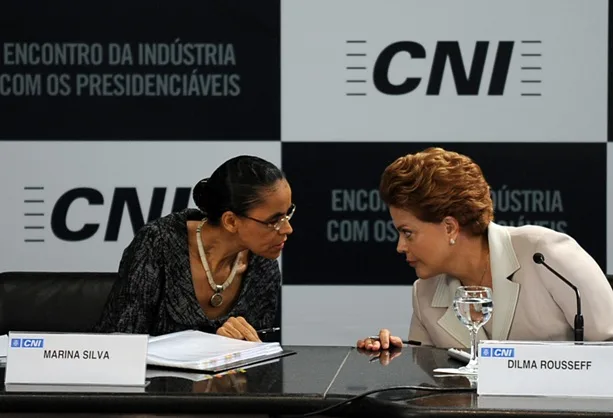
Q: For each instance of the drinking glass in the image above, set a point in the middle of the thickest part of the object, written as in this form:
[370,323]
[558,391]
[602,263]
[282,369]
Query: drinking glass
[473,306]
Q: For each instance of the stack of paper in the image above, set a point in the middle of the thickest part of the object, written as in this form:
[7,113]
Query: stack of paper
[198,350]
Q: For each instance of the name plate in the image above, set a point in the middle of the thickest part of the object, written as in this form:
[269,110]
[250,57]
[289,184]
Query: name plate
[76,359]
[523,368]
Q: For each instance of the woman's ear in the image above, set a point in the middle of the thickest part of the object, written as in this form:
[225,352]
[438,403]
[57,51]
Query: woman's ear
[452,227]
[230,221]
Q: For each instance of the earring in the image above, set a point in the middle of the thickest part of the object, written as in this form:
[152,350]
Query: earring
[451,241]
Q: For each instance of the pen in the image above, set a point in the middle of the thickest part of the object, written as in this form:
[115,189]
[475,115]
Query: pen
[268,330]
[407,342]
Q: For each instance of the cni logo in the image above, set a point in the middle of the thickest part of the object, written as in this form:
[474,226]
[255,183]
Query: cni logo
[27,343]
[497,352]
[467,73]
[123,199]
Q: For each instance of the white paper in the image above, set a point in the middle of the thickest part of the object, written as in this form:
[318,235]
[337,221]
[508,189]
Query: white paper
[200,350]
[4,345]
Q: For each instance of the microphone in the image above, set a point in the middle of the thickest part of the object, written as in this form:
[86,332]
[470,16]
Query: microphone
[540,259]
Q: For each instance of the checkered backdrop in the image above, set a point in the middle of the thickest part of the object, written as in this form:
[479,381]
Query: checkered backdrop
[112,114]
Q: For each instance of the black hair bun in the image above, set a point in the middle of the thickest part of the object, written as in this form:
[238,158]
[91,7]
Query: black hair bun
[200,193]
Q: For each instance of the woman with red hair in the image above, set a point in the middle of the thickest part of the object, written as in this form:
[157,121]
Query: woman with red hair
[440,203]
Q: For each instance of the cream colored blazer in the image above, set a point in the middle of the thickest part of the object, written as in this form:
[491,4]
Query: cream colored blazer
[530,303]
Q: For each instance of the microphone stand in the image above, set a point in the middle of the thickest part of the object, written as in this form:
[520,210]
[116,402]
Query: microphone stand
[578,315]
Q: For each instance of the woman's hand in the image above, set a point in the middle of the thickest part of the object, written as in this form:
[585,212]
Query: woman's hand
[238,328]
[383,341]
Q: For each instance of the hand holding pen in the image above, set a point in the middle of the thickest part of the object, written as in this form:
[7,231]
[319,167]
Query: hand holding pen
[383,341]
[240,329]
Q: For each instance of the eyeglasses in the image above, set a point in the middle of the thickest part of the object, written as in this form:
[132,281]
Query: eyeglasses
[278,224]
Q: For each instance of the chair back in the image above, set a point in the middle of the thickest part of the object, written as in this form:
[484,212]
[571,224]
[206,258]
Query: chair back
[52,301]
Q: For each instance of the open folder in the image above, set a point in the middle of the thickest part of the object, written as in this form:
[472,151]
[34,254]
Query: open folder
[211,353]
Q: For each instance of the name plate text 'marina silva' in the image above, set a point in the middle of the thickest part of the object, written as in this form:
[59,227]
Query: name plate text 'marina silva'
[534,368]
[76,359]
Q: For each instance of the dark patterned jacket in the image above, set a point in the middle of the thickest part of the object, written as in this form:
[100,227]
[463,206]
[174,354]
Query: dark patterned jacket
[155,295]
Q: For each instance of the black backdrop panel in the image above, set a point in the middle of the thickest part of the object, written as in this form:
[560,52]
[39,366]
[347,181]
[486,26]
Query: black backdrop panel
[140,70]
[343,233]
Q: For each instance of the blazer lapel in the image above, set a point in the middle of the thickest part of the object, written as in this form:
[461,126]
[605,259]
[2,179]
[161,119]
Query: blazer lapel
[504,263]
[443,298]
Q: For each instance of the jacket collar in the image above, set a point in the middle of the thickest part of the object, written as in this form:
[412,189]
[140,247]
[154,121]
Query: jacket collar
[503,264]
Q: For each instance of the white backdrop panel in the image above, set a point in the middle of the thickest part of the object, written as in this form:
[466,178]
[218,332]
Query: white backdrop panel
[102,168]
[559,53]
[340,315]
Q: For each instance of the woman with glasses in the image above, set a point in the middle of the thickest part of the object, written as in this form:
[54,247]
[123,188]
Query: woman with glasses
[213,268]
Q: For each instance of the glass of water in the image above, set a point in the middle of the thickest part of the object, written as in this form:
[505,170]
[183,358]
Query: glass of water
[473,306]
